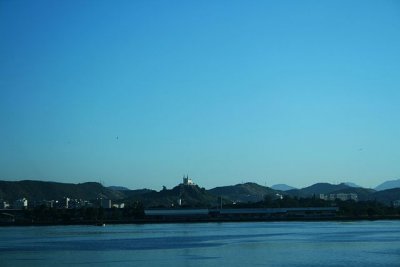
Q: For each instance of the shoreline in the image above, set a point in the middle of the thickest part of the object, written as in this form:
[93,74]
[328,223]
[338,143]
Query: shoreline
[201,220]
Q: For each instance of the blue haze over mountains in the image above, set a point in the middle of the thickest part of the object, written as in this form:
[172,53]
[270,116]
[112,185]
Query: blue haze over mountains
[388,185]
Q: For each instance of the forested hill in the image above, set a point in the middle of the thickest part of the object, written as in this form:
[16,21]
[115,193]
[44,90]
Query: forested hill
[246,192]
[186,195]
[40,190]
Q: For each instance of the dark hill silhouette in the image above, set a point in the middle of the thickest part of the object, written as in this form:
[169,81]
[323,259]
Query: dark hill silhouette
[40,190]
[324,188]
[137,192]
[386,196]
[247,192]
[187,195]
[282,187]
[317,189]
[119,188]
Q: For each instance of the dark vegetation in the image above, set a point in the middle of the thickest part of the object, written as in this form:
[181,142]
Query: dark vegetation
[134,212]
[189,196]
[90,215]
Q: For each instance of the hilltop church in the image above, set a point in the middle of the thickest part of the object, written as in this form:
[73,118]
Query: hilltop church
[187,180]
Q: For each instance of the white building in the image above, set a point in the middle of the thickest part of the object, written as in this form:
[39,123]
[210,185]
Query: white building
[4,205]
[64,203]
[21,203]
[323,196]
[187,180]
[345,197]
[119,206]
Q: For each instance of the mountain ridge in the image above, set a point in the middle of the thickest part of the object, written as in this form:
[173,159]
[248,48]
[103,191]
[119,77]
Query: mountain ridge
[185,195]
[390,184]
[44,190]
[282,187]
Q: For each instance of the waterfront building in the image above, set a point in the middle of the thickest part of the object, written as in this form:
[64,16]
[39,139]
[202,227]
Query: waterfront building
[118,206]
[4,205]
[46,203]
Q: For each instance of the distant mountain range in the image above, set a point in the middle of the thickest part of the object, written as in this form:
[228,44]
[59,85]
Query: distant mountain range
[120,188]
[352,184]
[327,189]
[282,187]
[388,185]
[316,189]
[186,195]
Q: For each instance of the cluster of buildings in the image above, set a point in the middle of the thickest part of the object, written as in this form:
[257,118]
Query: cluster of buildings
[65,203]
[17,204]
[396,203]
[351,196]
[341,196]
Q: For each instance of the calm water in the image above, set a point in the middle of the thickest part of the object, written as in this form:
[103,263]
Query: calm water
[212,244]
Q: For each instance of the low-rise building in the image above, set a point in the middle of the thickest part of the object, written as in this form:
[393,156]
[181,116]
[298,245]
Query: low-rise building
[396,203]
[340,196]
[4,205]
[345,197]
[46,203]
[21,203]
[323,196]
[118,206]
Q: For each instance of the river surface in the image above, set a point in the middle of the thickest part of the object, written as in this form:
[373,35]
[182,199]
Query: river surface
[362,243]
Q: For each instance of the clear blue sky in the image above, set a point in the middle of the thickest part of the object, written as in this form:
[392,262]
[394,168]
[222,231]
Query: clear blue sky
[138,93]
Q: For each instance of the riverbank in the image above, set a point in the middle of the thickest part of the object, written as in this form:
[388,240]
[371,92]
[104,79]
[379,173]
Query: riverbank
[198,220]
[99,216]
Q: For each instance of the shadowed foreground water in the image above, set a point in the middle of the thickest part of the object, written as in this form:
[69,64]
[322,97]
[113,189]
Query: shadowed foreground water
[209,244]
